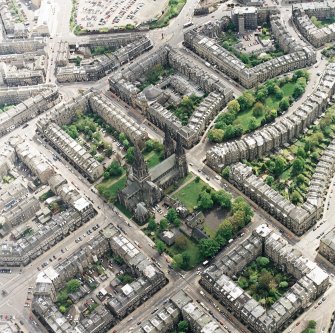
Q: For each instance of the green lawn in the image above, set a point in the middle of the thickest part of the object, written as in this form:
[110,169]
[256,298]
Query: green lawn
[271,102]
[191,248]
[189,194]
[152,159]
[109,188]
[285,183]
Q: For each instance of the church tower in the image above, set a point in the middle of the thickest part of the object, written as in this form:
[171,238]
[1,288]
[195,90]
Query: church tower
[140,168]
[181,162]
[168,143]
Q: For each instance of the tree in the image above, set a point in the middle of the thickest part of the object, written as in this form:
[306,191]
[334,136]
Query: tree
[262,261]
[278,92]
[183,326]
[297,166]
[252,124]
[262,94]
[283,284]
[265,280]
[109,151]
[62,309]
[114,169]
[269,180]
[298,91]
[152,226]
[222,198]
[180,242]
[301,152]
[277,166]
[130,155]
[225,229]
[243,282]
[171,215]
[246,101]
[295,197]
[106,175]
[62,296]
[149,145]
[205,201]
[160,246]
[186,260]
[226,172]
[233,106]
[258,110]
[72,286]
[241,205]
[300,73]
[300,180]
[208,247]
[77,61]
[284,104]
[215,135]
[232,132]
[177,261]
[163,224]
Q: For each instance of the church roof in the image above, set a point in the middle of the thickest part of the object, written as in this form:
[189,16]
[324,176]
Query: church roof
[162,167]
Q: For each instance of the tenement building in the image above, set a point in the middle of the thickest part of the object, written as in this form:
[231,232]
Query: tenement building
[144,187]
[284,130]
[151,100]
[299,56]
[101,65]
[297,218]
[219,280]
[94,101]
[302,13]
[327,246]
[34,102]
[149,279]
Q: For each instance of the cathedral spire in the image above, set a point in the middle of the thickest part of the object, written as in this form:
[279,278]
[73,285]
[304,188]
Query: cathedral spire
[168,143]
[140,168]
[180,151]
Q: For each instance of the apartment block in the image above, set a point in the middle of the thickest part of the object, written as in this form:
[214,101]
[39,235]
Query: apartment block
[102,65]
[122,84]
[302,13]
[327,246]
[42,98]
[311,282]
[284,130]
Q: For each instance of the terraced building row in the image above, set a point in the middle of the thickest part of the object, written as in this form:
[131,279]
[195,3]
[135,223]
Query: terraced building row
[284,130]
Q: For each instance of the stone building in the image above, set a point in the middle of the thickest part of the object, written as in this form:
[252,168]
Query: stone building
[123,84]
[63,53]
[93,101]
[22,46]
[302,13]
[149,280]
[327,246]
[284,129]
[113,115]
[210,50]
[39,102]
[73,151]
[145,186]
[297,218]
[244,18]
[311,282]
[102,65]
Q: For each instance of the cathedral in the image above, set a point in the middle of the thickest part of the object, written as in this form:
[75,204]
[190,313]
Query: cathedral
[145,187]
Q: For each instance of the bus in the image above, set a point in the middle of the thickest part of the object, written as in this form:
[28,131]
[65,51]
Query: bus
[187,24]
